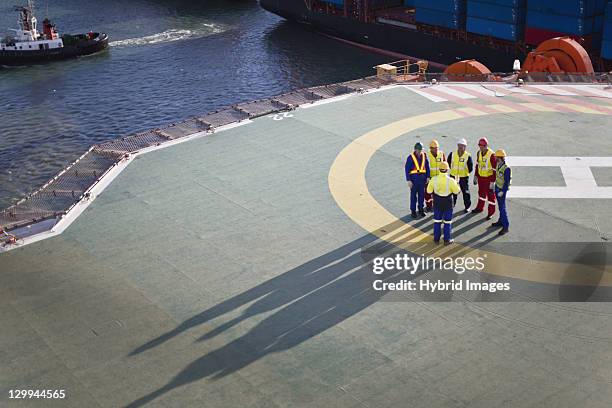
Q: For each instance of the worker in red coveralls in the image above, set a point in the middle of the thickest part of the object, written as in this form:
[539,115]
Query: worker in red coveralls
[484,176]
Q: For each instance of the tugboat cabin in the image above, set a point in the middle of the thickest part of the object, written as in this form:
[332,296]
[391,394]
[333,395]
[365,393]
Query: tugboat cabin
[27,37]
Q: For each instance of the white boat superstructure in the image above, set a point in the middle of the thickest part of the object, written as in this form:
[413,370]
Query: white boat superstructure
[27,37]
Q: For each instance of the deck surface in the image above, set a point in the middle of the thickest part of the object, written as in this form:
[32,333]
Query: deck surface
[232,270]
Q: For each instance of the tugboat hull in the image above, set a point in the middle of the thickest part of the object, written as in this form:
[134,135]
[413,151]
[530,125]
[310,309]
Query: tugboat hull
[78,47]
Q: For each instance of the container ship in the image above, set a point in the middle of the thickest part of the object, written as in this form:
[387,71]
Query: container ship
[494,32]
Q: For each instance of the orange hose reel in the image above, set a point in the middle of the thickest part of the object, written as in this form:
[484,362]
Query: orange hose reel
[559,55]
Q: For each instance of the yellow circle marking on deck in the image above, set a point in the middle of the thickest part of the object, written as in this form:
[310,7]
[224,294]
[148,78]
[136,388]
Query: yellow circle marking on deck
[348,186]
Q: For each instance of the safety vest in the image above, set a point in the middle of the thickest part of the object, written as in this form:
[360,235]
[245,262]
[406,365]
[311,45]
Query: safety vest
[442,185]
[434,163]
[484,163]
[499,178]
[418,169]
[459,166]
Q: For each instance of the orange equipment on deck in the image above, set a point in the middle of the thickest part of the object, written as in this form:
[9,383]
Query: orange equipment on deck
[467,70]
[470,67]
[559,55]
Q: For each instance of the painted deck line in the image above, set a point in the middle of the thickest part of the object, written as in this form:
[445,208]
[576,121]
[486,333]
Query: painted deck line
[445,89]
[583,108]
[420,90]
[590,90]
[583,101]
[512,89]
[325,101]
[560,161]
[478,105]
[551,89]
[498,101]
[503,108]
[462,102]
[539,107]
[560,192]
[472,111]
[480,89]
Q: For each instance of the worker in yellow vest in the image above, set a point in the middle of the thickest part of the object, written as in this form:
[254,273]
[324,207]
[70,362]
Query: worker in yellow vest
[484,177]
[443,187]
[435,156]
[503,179]
[417,176]
[461,166]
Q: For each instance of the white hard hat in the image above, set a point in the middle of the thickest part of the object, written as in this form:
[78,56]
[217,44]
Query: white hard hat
[462,142]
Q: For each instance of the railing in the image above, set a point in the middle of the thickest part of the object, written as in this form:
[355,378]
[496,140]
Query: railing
[73,184]
[406,70]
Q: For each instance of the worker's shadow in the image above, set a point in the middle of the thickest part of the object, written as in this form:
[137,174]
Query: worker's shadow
[303,302]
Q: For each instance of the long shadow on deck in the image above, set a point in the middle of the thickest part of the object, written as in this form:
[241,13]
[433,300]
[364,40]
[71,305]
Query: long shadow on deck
[313,297]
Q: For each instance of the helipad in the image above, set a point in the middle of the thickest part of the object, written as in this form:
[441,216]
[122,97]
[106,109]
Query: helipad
[234,269]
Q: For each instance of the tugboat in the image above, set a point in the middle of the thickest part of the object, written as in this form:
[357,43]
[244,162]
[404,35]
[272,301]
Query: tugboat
[29,46]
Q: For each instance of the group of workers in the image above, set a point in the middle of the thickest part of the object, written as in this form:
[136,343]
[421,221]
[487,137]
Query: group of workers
[436,180]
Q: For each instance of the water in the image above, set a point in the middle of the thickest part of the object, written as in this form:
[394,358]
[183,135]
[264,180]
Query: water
[168,60]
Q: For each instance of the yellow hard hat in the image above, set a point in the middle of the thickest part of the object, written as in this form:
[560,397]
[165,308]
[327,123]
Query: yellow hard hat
[500,153]
[434,143]
[443,166]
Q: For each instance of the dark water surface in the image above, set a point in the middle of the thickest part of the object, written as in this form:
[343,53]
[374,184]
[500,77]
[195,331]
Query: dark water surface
[168,60]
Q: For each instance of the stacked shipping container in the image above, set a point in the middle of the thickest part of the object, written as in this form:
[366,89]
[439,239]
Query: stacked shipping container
[531,21]
[444,13]
[337,3]
[503,19]
[606,45]
[548,18]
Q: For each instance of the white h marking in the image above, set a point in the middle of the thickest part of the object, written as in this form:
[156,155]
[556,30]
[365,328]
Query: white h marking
[579,180]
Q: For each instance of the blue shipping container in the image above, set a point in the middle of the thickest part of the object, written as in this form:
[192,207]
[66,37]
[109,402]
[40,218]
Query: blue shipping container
[439,18]
[446,6]
[507,3]
[495,29]
[607,31]
[600,6]
[496,12]
[606,49]
[579,8]
[563,24]
[598,23]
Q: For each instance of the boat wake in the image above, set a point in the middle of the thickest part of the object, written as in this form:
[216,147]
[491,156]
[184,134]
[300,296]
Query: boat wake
[175,34]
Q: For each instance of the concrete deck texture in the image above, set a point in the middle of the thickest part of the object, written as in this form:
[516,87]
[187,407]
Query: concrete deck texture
[235,269]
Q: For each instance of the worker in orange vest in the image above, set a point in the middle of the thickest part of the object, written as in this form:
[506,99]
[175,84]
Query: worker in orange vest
[435,157]
[417,176]
[484,177]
